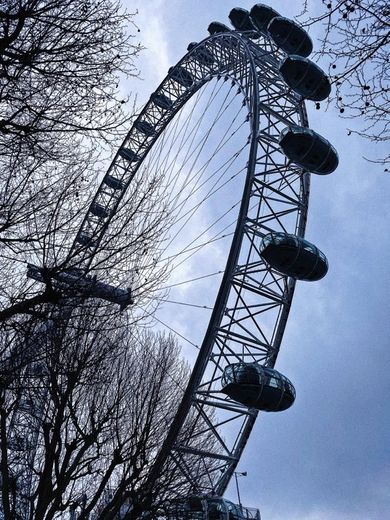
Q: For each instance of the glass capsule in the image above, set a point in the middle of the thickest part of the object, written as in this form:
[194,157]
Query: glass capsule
[293,256]
[261,15]
[128,154]
[241,21]
[290,36]
[85,240]
[161,101]
[145,127]
[203,55]
[99,211]
[198,507]
[113,182]
[257,386]
[181,76]
[217,27]
[308,149]
[305,77]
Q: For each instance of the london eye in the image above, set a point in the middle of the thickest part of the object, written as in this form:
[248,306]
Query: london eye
[224,146]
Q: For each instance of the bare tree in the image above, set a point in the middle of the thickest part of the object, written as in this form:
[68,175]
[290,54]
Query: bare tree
[355,39]
[99,399]
[83,402]
[60,65]
[63,113]
[61,61]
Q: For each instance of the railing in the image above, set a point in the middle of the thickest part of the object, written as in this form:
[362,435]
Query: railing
[251,513]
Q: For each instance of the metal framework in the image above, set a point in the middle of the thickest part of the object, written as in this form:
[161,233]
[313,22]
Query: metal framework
[253,302]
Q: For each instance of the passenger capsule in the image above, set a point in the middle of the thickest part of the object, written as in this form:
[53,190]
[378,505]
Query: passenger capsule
[203,55]
[181,76]
[113,182]
[308,149]
[145,128]
[212,507]
[261,15]
[195,503]
[289,36]
[128,154]
[161,101]
[99,211]
[259,387]
[293,256]
[305,77]
[217,27]
[241,21]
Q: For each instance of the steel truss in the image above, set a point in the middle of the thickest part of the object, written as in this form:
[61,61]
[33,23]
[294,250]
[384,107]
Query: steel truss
[253,301]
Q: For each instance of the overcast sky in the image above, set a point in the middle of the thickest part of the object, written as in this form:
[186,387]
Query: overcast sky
[328,456]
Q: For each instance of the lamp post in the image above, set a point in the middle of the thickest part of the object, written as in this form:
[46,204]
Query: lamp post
[238,474]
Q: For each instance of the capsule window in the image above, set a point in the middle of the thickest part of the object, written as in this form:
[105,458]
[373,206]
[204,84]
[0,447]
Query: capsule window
[85,240]
[295,257]
[308,150]
[291,37]
[299,73]
[278,238]
[113,182]
[322,256]
[269,391]
[301,270]
[145,127]
[305,77]
[266,241]
[99,211]
[204,56]
[241,21]
[310,82]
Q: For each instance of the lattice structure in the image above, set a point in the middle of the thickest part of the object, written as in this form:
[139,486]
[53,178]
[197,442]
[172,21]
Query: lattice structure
[252,305]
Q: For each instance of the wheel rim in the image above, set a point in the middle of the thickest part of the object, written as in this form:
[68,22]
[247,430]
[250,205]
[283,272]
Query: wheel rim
[281,194]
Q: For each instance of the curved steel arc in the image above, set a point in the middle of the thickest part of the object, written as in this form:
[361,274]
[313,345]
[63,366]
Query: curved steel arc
[281,192]
[125,172]
[140,144]
[289,292]
[220,303]
[249,423]
[195,397]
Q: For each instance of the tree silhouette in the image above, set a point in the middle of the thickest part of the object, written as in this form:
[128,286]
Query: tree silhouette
[63,113]
[355,39]
[87,418]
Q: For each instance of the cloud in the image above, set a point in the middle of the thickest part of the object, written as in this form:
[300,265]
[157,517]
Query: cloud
[156,56]
[326,458]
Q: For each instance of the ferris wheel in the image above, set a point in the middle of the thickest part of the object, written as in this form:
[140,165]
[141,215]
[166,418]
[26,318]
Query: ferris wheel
[224,146]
